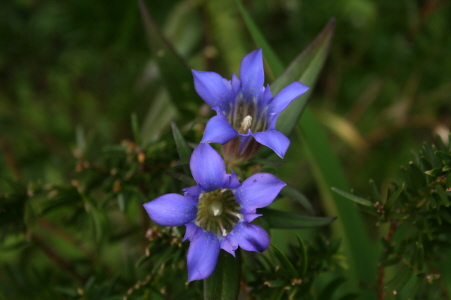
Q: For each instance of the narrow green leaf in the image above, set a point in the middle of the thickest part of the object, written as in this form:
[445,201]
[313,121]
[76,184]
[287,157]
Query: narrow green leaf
[173,69]
[285,262]
[356,199]
[304,256]
[291,192]
[224,283]
[329,290]
[375,191]
[442,194]
[394,196]
[304,68]
[400,279]
[182,177]
[274,62]
[286,220]
[182,147]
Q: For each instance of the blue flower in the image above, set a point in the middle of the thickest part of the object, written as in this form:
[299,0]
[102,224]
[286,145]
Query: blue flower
[246,111]
[217,211]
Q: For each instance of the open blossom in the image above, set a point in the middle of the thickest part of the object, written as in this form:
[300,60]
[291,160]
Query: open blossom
[246,111]
[217,211]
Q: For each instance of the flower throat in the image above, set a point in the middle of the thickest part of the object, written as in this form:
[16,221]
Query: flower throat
[218,211]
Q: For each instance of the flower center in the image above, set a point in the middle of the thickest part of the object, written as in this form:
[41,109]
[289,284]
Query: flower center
[245,125]
[218,211]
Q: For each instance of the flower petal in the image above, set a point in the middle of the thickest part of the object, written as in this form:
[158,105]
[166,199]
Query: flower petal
[233,181]
[208,168]
[203,254]
[273,139]
[285,96]
[249,214]
[171,210]
[213,89]
[249,237]
[258,191]
[252,74]
[218,130]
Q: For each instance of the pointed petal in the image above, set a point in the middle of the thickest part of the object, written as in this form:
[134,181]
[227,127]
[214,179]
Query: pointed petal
[218,130]
[229,245]
[213,89]
[249,214]
[258,191]
[273,139]
[191,231]
[285,96]
[208,168]
[266,98]
[236,84]
[193,192]
[233,181]
[171,210]
[202,255]
[252,74]
[250,237]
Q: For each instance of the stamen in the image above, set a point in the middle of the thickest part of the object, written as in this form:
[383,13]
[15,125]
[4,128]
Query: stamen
[228,211]
[246,124]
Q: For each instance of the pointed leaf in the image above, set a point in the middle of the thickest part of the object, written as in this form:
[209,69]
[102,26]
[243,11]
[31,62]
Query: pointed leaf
[173,69]
[394,196]
[304,257]
[305,68]
[182,147]
[285,262]
[287,220]
[291,192]
[224,283]
[356,199]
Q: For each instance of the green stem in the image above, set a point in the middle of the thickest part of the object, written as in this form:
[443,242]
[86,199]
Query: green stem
[224,283]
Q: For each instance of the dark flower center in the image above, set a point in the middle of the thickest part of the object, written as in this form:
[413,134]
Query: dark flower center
[218,211]
[244,114]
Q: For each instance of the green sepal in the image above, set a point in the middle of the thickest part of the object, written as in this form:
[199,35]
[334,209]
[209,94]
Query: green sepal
[224,283]
[278,219]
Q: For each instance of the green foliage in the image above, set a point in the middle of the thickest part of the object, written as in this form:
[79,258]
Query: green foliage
[419,217]
[74,174]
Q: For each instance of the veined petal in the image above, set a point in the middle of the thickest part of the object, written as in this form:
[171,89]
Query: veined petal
[285,96]
[171,210]
[219,130]
[249,237]
[208,168]
[252,74]
[213,89]
[273,139]
[258,191]
[203,254]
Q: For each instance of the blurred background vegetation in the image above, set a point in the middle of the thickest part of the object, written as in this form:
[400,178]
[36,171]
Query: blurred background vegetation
[72,74]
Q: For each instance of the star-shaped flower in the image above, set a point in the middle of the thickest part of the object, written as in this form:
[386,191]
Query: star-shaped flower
[246,111]
[217,211]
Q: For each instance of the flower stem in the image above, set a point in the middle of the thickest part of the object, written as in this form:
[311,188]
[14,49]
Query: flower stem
[224,283]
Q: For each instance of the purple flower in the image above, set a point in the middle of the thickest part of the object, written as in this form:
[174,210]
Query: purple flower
[217,211]
[246,111]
